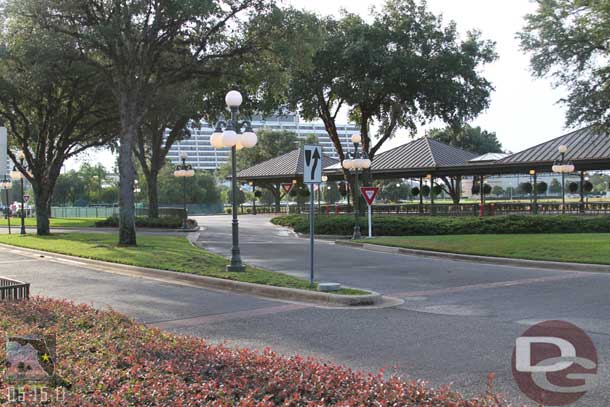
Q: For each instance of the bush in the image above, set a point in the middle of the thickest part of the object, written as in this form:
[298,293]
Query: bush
[419,226]
[144,222]
[541,187]
[105,359]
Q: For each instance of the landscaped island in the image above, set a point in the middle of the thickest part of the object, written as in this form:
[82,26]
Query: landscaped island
[387,225]
[159,252]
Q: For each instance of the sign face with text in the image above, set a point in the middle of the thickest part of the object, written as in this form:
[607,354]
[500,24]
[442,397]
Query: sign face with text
[312,167]
[369,194]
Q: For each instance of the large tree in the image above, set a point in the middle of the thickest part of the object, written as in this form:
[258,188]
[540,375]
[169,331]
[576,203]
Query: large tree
[173,110]
[54,106]
[401,69]
[468,138]
[143,47]
[569,41]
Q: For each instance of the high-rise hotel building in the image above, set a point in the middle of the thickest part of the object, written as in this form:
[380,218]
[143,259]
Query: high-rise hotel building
[203,156]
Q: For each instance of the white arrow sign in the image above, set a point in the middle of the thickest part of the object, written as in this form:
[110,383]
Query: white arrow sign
[312,167]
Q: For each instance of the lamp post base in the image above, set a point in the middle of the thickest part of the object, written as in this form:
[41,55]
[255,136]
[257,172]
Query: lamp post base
[236,268]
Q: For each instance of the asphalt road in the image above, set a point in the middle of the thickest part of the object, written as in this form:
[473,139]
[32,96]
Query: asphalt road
[458,322]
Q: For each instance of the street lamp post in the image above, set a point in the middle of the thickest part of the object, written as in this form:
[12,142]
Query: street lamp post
[563,167]
[357,160]
[233,137]
[5,185]
[534,180]
[16,175]
[320,187]
[184,171]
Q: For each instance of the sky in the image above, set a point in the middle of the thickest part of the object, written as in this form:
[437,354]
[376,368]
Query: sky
[523,110]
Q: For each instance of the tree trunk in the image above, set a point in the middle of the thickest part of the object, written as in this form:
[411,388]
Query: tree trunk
[153,195]
[127,172]
[457,194]
[43,197]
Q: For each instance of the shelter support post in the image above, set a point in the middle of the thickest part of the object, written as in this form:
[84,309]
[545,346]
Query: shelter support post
[582,192]
[535,192]
[432,211]
[482,193]
[421,196]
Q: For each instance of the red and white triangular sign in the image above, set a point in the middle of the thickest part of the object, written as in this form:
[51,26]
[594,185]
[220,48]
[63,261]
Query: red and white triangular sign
[369,194]
[287,188]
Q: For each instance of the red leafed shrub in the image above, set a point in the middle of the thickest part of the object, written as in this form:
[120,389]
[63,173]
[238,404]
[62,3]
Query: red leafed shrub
[105,359]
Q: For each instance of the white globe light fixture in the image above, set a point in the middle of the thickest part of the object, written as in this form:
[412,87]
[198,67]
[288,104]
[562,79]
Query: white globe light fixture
[16,175]
[359,163]
[366,163]
[563,149]
[234,99]
[356,138]
[248,139]
[216,139]
[324,178]
[229,138]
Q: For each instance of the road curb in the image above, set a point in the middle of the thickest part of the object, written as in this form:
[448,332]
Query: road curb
[499,261]
[280,293]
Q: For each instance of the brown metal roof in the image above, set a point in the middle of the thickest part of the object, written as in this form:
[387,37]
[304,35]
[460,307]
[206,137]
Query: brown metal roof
[583,145]
[419,154]
[289,165]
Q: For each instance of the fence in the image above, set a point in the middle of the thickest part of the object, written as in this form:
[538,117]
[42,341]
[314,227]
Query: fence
[105,212]
[12,290]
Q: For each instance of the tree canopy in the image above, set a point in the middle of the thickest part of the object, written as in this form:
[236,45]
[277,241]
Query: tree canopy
[569,41]
[54,105]
[142,47]
[468,138]
[402,69]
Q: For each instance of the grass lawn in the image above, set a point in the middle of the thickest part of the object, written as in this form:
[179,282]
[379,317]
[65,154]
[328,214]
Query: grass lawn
[55,222]
[160,252]
[573,247]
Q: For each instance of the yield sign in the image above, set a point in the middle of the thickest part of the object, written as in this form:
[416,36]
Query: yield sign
[369,194]
[287,188]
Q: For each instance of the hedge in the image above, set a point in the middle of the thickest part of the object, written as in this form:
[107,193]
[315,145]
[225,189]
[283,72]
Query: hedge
[419,226]
[106,359]
[145,222]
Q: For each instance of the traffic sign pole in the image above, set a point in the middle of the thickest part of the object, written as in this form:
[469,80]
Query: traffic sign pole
[311,235]
[369,194]
[312,174]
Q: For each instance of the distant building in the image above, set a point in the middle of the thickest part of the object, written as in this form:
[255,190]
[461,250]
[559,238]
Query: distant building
[204,157]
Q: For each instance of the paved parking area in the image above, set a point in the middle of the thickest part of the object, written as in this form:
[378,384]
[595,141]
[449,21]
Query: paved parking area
[458,321]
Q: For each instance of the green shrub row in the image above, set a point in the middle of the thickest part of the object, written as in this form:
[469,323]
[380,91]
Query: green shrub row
[144,222]
[414,226]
